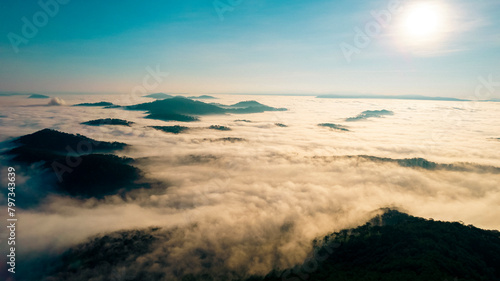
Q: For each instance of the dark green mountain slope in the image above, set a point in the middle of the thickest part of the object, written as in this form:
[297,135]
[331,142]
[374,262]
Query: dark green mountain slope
[396,246]
[184,109]
[72,164]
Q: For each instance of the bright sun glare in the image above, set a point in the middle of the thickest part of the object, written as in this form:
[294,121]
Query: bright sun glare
[422,23]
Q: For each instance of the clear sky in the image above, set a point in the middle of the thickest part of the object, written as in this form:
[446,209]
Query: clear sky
[435,48]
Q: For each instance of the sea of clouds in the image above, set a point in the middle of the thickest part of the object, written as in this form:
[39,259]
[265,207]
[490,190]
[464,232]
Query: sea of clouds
[257,204]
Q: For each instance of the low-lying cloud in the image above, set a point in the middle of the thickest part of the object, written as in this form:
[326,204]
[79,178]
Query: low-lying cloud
[56,101]
[230,208]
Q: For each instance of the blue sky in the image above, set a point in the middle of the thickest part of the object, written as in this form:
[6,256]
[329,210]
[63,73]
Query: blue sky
[256,47]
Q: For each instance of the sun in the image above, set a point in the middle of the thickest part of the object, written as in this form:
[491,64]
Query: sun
[422,23]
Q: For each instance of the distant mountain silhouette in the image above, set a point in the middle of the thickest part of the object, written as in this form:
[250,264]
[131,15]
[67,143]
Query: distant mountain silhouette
[396,97]
[249,107]
[202,97]
[226,139]
[370,113]
[178,105]
[158,96]
[102,103]
[184,106]
[420,163]
[334,126]
[171,129]
[38,96]
[108,121]
[219,128]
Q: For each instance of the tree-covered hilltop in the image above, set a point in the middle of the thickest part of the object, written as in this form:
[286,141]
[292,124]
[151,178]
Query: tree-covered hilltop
[185,109]
[391,246]
[108,121]
[397,246]
[97,104]
[74,164]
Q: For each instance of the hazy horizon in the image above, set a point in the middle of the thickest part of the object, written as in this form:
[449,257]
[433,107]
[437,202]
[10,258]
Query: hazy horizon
[203,47]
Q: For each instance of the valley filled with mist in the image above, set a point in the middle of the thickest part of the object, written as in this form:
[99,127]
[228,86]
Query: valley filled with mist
[235,187]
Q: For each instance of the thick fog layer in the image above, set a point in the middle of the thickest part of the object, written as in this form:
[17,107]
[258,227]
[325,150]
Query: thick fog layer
[253,198]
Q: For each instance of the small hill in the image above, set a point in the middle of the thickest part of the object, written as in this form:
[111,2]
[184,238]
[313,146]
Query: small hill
[172,117]
[181,105]
[108,121]
[72,164]
[49,140]
[159,96]
[54,141]
[219,128]
[102,103]
[250,107]
[171,129]
[178,105]
[334,126]
[202,97]
[38,96]
[369,114]
[226,139]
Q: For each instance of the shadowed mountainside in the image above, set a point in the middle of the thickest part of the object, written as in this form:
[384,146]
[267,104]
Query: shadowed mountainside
[71,165]
[396,246]
[391,246]
[48,140]
[103,252]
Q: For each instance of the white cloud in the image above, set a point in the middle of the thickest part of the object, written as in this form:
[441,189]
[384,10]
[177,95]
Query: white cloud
[259,203]
[56,101]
